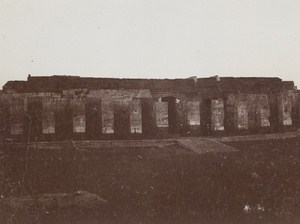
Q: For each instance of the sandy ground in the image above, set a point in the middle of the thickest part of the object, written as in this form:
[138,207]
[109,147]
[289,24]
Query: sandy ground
[159,183]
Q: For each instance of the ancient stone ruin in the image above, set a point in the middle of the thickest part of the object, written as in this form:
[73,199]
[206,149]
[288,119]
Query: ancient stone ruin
[71,107]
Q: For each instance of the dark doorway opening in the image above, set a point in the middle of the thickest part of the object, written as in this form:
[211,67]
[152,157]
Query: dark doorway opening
[206,117]
[122,121]
[172,114]
[93,116]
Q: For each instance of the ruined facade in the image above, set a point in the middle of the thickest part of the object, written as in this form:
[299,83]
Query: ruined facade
[70,107]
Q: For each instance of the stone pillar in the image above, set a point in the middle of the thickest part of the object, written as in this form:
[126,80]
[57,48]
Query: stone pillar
[251,105]
[161,119]
[63,119]
[285,109]
[16,111]
[148,118]
[34,124]
[161,114]
[273,102]
[242,115]
[93,115]
[121,118]
[258,111]
[263,110]
[217,115]
[193,113]
[78,108]
[107,117]
[135,116]
[48,116]
[230,117]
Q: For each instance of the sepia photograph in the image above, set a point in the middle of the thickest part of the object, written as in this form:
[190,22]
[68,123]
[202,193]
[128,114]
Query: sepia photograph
[149,112]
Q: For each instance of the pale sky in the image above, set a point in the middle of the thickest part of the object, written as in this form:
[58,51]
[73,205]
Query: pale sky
[150,38]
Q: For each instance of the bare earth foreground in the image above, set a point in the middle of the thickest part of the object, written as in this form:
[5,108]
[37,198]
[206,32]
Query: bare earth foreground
[184,181]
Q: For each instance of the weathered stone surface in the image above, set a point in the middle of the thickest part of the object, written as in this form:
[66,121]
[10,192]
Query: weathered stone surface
[135,116]
[120,94]
[93,114]
[190,107]
[49,107]
[258,110]
[217,115]
[16,116]
[161,112]
[193,113]
[78,108]
[285,107]
[107,117]
[242,115]
[263,109]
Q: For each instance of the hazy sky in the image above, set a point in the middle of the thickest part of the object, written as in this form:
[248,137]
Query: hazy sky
[150,38]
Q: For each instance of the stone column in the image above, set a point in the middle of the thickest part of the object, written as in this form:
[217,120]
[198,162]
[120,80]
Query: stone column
[217,115]
[16,111]
[285,109]
[78,108]
[193,114]
[135,116]
[48,115]
[107,117]
[161,114]
[242,115]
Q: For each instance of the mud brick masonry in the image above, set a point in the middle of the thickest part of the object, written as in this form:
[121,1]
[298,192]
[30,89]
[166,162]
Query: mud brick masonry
[71,107]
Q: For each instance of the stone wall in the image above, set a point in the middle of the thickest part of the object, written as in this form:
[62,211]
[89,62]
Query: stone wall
[249,112]
[167,108]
